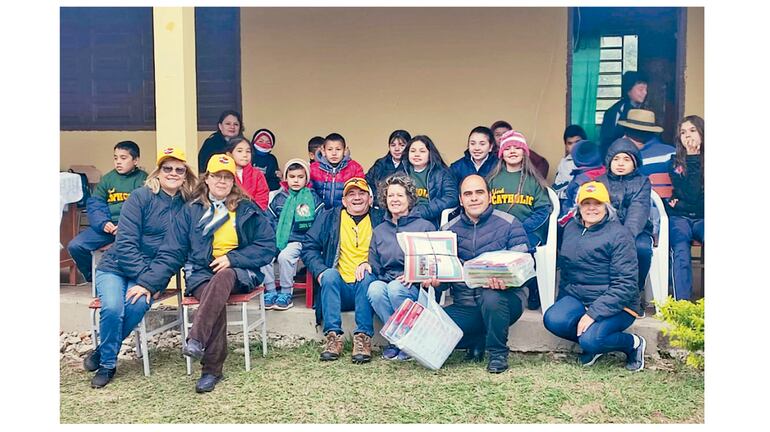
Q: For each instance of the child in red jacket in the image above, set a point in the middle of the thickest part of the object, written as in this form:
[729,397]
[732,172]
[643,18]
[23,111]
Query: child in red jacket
[250,179]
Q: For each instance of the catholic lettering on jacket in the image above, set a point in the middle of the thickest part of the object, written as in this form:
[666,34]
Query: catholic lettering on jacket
[422,193]
[500,197]
[116,197]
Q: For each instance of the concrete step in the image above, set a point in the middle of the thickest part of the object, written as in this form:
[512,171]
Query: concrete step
[527,335]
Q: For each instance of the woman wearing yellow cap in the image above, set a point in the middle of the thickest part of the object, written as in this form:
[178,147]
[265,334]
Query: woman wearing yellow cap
[144,219]
[597,289]
[223,239]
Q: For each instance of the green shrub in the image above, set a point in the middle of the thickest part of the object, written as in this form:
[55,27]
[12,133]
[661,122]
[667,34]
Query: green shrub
[687,319]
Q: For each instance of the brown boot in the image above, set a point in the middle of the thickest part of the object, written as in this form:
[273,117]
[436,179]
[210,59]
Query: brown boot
[362,348]
[333,347]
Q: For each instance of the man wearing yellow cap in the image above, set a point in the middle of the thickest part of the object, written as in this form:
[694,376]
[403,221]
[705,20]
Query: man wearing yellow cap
[336,250]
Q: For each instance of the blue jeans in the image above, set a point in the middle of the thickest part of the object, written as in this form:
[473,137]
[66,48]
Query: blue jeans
[83,244]
[338,296]
[385,298]
[117,317]
[644,256]
[602,336]
[682,230]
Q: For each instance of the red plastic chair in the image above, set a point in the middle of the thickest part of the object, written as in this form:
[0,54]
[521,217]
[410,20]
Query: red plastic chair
[306,285]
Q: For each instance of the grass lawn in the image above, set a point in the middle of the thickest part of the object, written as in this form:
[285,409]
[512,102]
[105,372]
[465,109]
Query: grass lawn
[292,386]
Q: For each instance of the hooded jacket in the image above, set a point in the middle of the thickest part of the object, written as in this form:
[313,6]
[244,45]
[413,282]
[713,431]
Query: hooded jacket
[268,164]
[385,255]
[442,190]
[328,181]
[382,169]
[599,267]
[464,167]
[276,207]
[185,244]
[144,221]
[495,230]
[629,194]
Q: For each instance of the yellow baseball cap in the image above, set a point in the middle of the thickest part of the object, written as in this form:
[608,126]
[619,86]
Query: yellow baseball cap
[171,152]
[595,190]
[356,182]
[221,162]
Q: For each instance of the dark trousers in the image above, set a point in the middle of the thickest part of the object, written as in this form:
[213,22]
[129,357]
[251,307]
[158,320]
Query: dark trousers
[83,244]
[682,231]
[210,322]
[644,256]
[602,336]
[488,322]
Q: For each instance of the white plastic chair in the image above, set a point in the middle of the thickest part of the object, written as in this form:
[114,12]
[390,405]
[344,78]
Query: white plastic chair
[657,279]
[272,195]
[545,258]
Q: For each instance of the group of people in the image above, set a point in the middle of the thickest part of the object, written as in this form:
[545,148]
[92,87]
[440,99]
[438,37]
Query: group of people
[342,223]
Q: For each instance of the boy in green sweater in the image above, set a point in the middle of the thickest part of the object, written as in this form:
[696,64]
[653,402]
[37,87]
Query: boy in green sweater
[104,206]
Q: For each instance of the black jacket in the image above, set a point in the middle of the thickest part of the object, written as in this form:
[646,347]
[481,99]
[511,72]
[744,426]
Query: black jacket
[268,164]
[599,267]
[185,244]
[688,189]
[214,144]
[442,189]
[382,169]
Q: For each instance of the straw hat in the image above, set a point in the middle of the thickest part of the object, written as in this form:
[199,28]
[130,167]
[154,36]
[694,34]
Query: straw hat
[641,119]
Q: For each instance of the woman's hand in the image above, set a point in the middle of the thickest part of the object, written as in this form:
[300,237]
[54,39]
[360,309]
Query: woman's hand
[498,284]
[363,267]
[692,145]
[430,282]
[583,324]
[672,202]
[220,263]
[136,292]
[401,279]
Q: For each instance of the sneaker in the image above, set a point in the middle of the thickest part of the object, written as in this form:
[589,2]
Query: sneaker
[206,383]
[103,377]
[403,356]
[498,363]
[390,352]
[91,362]
[270,298]
[333,347]
[362,348]
[282,302]
[193,349]
[635,361]
[588,359]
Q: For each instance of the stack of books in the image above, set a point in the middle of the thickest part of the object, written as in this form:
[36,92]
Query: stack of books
[512,268]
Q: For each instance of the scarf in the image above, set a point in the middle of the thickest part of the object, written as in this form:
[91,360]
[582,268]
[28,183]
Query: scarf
[215,216]
[298,214]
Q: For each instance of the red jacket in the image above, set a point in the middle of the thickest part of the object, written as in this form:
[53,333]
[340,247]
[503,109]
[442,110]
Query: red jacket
[328,181]
[255,185]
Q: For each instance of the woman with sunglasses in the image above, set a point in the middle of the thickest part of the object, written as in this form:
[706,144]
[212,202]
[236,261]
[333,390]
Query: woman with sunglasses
[223,239]
[145,216]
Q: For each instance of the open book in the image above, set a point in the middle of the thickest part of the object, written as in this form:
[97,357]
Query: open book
[430,254]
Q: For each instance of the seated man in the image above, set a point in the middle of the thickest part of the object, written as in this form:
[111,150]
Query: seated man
[336,250]
[484,314]
[641,129]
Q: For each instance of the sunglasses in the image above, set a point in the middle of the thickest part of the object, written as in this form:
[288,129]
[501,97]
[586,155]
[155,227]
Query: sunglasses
[168,169]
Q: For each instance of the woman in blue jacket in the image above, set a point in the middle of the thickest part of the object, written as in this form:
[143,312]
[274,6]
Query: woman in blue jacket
[223,239]
[597,289]
[386,259]
[143,222]
[479,158]
[435,184]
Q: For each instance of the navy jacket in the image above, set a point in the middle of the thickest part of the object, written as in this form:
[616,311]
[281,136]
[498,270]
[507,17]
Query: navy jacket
[382,169]
[185,244]
[442,189]
[464,167]
[216,143]
[629,194]
[495,230]
[144,220]
[610,129]
[599,267]
[688,189]
[276,207]
[385,255]
[268,164]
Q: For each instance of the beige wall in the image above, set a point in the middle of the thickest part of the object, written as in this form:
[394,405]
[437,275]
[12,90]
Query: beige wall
[694,69]
[440,72]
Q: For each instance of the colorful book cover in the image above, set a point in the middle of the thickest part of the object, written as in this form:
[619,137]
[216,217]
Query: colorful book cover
[398,316]
[409,320]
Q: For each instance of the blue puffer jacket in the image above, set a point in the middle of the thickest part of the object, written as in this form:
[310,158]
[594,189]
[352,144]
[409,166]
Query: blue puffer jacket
[385,255]
[276,207]
[382,169]
[599,267]
[442,189]
[185,244]
[464,167]
[144,220]
[629,194]
[495,230]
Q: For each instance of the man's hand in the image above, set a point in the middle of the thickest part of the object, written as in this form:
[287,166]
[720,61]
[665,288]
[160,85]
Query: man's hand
[220,263]
[136,292]
[110,228]
[363,267]
[497,284]
[430,282]
[583,324]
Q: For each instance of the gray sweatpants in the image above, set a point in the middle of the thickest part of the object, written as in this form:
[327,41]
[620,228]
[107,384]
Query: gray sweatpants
[287,268]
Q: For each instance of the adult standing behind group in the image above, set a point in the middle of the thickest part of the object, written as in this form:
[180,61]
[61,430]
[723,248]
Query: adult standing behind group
[597,288]
[634,91]
[144,219]
[229,125]
[391,162]
[223,239]
[399,196]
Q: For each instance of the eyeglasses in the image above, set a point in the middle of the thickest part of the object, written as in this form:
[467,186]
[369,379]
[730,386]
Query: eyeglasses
[221,177]
[179,170]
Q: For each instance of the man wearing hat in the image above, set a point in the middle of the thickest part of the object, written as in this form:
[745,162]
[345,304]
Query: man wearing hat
[634,89]
[640,128]
[336,250]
